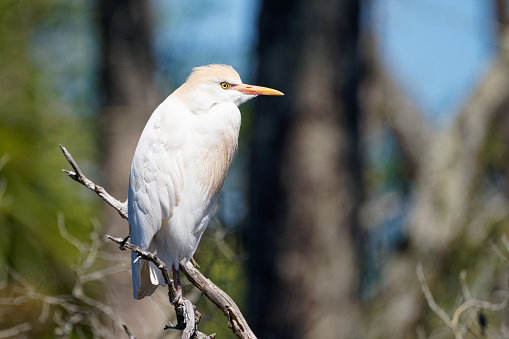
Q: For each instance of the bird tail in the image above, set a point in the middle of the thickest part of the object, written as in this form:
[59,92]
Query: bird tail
[146,277]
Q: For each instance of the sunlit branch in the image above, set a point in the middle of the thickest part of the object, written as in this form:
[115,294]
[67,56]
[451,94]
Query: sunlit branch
[184,308]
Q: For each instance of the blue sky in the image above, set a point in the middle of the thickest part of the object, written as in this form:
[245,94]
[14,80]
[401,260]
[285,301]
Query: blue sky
[190,34]
[436,50]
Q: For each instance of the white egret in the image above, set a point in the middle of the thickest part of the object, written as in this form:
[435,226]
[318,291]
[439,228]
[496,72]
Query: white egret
[179,167]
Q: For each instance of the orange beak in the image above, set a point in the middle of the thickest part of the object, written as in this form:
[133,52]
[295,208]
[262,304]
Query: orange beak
[256,90]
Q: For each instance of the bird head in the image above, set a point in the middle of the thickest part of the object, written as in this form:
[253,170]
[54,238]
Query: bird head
[217,84]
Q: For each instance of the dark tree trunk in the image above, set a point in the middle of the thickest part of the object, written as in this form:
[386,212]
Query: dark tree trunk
[500,16]
[305,181]
[129,95]
[128,101]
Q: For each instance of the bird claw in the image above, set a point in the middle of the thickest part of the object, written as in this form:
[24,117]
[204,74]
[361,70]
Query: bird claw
[177,300]
[195,264]
[171,327]
[179,326]
[123,242]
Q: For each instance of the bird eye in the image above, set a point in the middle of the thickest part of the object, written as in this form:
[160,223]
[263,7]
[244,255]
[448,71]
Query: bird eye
[225,85]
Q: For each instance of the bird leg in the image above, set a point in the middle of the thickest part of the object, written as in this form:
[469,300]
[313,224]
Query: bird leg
[176,282]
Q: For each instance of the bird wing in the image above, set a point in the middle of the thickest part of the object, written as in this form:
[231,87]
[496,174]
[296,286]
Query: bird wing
[155,186]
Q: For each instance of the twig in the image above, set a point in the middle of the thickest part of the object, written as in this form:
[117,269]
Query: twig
[144,254]
[464,286]
[429,297]
[78,176]
[222,300]
[75,311]
[129,334]
[454,323]
[16,330]
[183,309]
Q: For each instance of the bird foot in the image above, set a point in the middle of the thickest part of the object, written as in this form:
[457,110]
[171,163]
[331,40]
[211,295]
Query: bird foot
[123,242]
[173,327]
[195,264]
[178,298]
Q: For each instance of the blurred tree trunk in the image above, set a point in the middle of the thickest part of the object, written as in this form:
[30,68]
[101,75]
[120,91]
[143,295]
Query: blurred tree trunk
[129,94]
[305,182]
[500,7]
[129,99]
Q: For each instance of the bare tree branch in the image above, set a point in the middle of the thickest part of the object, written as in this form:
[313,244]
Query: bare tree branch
[16,330]
[429,297]
[386,101]
[144,254]
[219,298]
[449,171]
[410,127]
[129,334]
[444,196]
[184,308]
[454,323]
[78,176]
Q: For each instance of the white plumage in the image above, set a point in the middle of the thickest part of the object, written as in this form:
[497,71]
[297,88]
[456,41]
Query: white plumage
[179,167]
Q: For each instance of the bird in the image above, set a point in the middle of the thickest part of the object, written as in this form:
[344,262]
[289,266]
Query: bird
[179,167]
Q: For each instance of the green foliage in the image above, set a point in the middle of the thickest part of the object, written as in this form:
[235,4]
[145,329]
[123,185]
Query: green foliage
[220,257]
[47,75]
[34,120]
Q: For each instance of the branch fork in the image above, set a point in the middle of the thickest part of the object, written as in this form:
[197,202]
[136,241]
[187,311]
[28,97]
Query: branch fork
[187,315]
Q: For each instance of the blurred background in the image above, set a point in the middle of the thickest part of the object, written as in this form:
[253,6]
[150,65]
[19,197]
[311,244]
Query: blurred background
[388,151]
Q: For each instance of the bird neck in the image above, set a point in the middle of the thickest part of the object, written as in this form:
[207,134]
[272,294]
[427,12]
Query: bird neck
[197,103]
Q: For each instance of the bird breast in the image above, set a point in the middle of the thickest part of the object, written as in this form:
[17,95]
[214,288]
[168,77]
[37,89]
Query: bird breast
[215,163]
[219,140]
